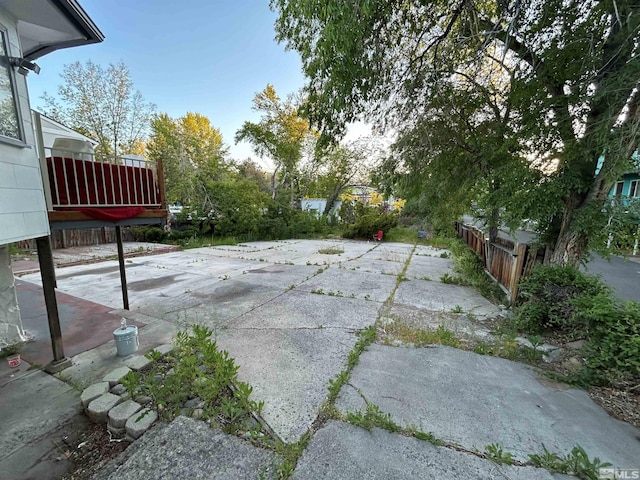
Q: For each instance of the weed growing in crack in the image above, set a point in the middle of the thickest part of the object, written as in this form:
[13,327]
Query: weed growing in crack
[331,251]
[507,347]
[575,463]
[419,337]
[318,291]
[290,453]
[457,309]
[496,454]
[373,417]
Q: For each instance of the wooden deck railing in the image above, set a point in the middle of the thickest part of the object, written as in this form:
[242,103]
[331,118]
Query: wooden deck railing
[75,179]
[506,261]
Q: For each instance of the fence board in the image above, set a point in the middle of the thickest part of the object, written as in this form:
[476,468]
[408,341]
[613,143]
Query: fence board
[504,260]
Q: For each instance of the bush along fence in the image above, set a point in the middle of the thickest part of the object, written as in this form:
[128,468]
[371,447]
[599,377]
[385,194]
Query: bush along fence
[506,261]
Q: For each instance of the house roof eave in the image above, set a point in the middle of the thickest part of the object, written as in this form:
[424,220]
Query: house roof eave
[45,26]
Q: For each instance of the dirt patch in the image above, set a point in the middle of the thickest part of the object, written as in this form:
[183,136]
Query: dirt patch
[91,451]
[622,402]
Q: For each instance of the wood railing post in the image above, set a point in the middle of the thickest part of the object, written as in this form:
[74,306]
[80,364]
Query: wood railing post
[518,260]
[161,185]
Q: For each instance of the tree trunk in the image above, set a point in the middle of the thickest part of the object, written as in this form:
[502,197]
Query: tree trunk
[331,200]
[570,245]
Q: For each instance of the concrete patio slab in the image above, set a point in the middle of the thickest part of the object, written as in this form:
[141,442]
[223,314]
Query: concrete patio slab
[475,400]
[297,309]
[29,425]
[429,268]
[341,450]
[188,448]
[392,252]
[429,251]
[441,297]
[458,323]
[347,283]
[279,276]
[371,265]
[289,369]
[89,367]
[214,304]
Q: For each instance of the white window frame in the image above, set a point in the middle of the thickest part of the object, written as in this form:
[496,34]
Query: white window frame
[20,139]
[634,189]
[617,193]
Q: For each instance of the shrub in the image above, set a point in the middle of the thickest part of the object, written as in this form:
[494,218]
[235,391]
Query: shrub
[370,223]
[614,334]
[556,298]
[148,234]
[470,269]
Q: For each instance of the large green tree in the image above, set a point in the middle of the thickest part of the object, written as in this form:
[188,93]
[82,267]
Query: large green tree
[569,94]
[193,154]
[334,168]
[102,103]
[281,136]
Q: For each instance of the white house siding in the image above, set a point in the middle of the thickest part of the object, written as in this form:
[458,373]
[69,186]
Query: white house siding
[23,212]
[317,205]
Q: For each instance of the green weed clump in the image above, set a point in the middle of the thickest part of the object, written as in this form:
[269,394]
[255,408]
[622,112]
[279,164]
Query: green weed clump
[565,301]
[470,271]
[197,369]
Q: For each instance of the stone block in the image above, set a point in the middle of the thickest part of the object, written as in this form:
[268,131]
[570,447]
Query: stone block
[117,432]
[164,348]
[118,389]
[114,376]
[143,399]
[119,415]
[92,392]
[100,407]
[135,428]
[137,362]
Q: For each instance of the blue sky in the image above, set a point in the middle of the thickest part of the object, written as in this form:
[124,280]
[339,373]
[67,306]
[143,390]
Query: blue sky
[203,56]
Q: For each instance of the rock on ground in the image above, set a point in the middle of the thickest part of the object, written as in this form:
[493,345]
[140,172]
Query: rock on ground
[188,448]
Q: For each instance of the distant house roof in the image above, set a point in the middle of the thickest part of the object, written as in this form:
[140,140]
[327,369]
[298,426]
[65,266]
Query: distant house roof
[52,129]
[45,26]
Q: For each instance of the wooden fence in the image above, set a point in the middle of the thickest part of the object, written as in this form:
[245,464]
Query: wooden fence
[506,261]
[80,238]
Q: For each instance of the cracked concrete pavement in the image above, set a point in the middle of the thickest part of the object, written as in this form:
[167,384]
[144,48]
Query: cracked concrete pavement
[289,315]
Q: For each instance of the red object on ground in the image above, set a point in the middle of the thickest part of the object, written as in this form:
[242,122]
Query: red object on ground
[14,361]
[378,236]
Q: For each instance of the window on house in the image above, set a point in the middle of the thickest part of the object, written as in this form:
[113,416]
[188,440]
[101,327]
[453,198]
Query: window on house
[9,123]
[634,191]
[619,187]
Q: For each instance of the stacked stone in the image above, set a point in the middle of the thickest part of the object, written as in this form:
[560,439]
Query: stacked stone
[109,402]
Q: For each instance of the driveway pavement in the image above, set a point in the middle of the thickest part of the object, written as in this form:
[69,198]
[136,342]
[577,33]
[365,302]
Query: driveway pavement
[290,314]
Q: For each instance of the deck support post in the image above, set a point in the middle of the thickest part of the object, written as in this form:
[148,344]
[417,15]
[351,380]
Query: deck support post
[123,275]
[47,273]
